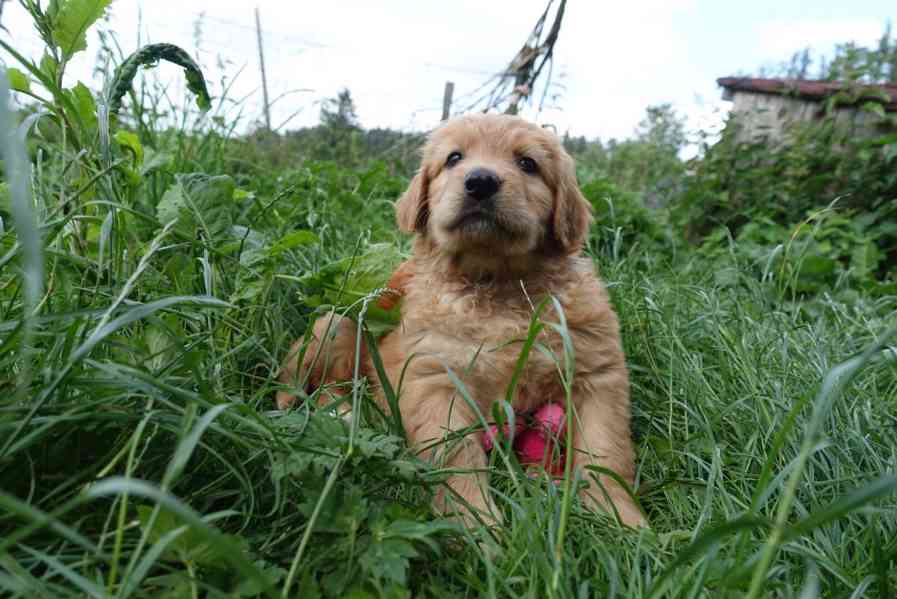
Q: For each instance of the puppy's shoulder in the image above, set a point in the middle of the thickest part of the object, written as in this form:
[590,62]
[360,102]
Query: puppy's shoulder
[584,296]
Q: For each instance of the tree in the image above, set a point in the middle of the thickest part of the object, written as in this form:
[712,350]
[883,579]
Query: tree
[340,129]
[851,62]
[662,128]
[339,112]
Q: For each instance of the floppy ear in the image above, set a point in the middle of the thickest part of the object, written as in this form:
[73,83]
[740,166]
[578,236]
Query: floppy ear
[412,209]
[572,213]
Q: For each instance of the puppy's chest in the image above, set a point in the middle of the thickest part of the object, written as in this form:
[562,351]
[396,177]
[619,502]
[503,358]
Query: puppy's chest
[472,314]
[481,333]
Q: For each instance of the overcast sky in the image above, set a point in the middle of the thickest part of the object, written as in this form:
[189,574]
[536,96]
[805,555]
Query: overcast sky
[613,58]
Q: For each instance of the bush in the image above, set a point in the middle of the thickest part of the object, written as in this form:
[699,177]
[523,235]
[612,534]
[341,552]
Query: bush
[621,219]
[758,193]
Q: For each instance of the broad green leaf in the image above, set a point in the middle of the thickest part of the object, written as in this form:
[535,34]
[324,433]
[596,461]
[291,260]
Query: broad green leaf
[165,523]
[227,548]
[202,204]
[82,99]
[248,292]
[18,80]
[72,21]
[5,198]
[242,194]
[150,55]
[344,282]
[817,266]
[130,141]
[49,66]
[154,161]
[173,201]
[875,108]
[187,546]
[139,312]
[53,8]
[864,258]
[291,240]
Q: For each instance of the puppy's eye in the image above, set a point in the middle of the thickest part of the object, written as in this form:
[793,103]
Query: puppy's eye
[453,159]
[527,165]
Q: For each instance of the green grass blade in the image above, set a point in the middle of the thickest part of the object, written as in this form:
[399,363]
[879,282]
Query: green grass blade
[225,548]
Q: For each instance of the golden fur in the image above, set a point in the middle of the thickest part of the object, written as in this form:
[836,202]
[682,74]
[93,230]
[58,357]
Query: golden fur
[468,298]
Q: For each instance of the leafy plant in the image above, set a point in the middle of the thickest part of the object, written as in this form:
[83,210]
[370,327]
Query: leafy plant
[755,191]
[621,217]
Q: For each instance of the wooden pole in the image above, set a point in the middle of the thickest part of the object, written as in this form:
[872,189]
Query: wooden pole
[258,31]
[447,100]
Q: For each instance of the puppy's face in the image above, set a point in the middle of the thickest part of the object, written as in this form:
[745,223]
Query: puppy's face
[496,185]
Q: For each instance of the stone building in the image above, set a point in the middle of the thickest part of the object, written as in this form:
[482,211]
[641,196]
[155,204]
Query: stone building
[764,108]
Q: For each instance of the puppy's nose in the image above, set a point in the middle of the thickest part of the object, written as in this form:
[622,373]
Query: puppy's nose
[481,183]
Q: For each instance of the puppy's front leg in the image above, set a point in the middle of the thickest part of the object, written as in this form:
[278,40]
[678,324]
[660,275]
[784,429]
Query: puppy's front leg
[329,358]
[602,438]
[433,414]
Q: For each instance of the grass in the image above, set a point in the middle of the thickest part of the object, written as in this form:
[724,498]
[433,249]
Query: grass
[141,455]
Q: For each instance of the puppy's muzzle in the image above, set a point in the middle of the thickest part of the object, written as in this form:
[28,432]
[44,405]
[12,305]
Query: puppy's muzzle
[481,184]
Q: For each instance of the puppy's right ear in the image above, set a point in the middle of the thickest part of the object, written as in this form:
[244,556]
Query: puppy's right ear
[412,209]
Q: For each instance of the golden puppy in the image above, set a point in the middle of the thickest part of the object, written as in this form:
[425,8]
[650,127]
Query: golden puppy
[499,224]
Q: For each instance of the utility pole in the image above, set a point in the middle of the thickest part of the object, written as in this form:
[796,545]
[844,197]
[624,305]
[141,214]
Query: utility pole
[447,99]
[258,31]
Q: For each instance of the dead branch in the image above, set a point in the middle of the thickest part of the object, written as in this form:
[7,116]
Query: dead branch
[516,84]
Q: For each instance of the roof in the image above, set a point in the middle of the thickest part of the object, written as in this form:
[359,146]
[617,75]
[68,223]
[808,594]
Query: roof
[811,90]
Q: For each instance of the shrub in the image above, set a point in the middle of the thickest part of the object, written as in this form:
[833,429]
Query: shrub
[757,193]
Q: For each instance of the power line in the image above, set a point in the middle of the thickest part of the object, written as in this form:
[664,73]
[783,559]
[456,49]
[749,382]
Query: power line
[310,44]
[290,36]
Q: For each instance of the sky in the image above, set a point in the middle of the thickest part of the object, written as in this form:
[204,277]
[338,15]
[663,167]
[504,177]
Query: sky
[612,60]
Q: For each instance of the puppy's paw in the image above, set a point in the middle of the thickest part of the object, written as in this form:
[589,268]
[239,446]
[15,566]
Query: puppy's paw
[622,504]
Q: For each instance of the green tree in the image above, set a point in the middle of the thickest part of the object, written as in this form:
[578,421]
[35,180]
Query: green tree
[339,112]
[650,162]
[340,129]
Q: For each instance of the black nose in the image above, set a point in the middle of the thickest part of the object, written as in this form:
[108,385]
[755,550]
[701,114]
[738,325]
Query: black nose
[481,183]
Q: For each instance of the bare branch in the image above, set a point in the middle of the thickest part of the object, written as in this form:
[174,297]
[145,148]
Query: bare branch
[517,83]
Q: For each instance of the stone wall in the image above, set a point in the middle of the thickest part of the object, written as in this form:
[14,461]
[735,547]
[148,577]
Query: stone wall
[767,116]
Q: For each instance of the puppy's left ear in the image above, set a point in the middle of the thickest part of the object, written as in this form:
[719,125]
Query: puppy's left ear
[412,209]
[572,212]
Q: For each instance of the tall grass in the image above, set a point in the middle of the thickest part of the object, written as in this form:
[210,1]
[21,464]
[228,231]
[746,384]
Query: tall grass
[140,454]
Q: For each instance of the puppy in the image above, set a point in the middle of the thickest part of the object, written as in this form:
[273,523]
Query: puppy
[499,225]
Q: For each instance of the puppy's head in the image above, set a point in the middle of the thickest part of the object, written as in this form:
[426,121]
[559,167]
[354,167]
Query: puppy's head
[496,185]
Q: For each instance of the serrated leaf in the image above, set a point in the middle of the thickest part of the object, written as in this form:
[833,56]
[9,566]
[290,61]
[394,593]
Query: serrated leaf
[129,140]
[388,559]
[72,21]
[371,443]
[252,588]
[18,81]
